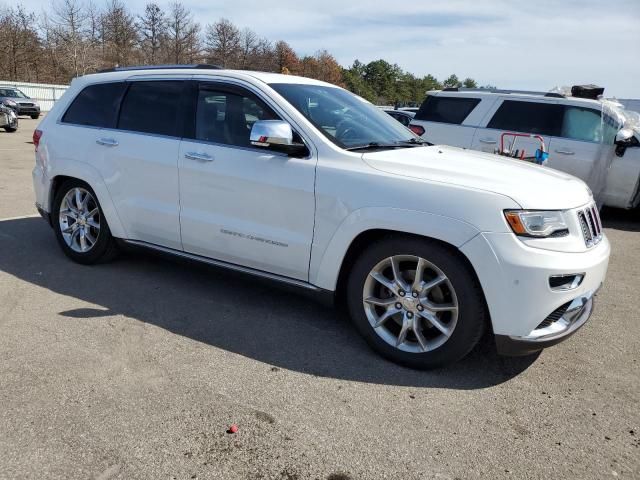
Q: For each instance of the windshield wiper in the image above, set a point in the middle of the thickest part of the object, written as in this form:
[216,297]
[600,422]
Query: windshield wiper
[399,144]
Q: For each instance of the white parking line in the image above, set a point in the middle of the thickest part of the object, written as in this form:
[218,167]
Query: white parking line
[34,215]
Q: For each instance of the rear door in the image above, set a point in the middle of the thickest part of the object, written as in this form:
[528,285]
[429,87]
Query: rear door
[447,120]
[538,117]
[140,161]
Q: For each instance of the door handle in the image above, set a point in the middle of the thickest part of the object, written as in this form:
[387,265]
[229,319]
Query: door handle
[487,140]
[202,157]
[565,152]
[107,142]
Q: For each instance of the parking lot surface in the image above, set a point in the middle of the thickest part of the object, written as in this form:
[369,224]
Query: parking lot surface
[137,368]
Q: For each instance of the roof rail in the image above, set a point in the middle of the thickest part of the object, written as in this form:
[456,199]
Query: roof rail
[498,90]
[198,66]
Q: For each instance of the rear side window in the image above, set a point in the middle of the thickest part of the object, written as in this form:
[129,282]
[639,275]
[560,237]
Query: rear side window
[96,105]
[446,109]
[529,117]
[152,107]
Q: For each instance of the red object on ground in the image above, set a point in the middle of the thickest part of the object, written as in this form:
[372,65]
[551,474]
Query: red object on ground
[233,428]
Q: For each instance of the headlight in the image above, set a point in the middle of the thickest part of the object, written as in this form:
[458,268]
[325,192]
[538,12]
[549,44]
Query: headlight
[537,223]
[10,103]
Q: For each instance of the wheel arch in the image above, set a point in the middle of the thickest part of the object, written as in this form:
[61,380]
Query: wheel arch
[84,173]
[367,225]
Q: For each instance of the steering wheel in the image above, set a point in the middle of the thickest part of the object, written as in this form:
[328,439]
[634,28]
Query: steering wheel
[346,130]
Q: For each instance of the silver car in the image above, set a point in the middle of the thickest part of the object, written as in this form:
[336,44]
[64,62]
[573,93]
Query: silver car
[19,102]
[8,119]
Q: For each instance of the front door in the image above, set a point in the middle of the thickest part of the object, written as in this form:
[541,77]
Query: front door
[239,203]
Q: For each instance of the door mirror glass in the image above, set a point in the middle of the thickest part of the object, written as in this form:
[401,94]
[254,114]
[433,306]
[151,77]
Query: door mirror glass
[276,135]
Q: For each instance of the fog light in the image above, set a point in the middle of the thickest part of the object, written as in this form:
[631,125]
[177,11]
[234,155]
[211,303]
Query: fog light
[566,282]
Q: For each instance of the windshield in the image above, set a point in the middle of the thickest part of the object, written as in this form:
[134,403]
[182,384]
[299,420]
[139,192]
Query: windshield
[344,118]
[12,93]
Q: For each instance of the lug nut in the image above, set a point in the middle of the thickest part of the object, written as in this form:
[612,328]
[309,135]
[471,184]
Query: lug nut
[401,293]
[420,308]
[409,315]
[415,294]
[398,305]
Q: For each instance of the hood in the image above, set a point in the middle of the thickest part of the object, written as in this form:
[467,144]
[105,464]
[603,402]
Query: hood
[531,186]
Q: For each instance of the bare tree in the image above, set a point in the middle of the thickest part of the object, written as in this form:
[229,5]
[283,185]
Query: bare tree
[69,25]
[223,43]
[119,34]
[248,45]
[182,34]
[19,43]
[153,34]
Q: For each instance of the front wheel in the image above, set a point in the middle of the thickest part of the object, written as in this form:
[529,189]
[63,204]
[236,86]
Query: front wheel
[36,116]
[80,226]
[416,302]
[11,129]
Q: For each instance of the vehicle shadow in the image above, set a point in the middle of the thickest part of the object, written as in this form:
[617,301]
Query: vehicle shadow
[228,311]
[619,219]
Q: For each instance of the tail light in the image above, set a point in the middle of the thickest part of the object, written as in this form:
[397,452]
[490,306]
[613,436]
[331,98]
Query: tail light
[37,134]
[417,129]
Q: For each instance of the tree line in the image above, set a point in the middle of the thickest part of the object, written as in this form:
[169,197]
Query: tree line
[75,37]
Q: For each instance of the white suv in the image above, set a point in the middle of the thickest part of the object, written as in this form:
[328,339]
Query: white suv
[307,184]
[579,133]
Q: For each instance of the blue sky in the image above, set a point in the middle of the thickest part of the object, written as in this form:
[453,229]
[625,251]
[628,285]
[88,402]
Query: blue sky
[509,43]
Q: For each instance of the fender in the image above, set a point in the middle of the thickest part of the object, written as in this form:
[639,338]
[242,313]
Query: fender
[326,263]
[89,174]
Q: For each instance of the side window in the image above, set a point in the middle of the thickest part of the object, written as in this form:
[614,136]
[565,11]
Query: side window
[404,119]
[529,117]
[96,105]
[582,124]
[152,107]
[446,109]
[226,117]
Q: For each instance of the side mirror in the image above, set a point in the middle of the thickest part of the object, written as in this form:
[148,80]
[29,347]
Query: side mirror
[276,135]
[625,138]
[624,135]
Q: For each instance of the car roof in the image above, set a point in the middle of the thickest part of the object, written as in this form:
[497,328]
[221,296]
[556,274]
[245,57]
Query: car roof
[516,94]
[136,72]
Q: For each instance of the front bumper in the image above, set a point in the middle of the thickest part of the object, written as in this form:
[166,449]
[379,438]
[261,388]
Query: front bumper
[574,317]
[28,110]
[522,303]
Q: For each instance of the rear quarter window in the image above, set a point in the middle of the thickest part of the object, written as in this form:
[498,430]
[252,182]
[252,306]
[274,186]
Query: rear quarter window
[96,105]
[446,109]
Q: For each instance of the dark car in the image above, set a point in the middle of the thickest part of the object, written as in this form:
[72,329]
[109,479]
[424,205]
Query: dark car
[403,116]
[19,102]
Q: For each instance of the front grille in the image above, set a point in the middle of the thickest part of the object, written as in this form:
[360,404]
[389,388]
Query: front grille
[590,224]
[554,316]
[25,104]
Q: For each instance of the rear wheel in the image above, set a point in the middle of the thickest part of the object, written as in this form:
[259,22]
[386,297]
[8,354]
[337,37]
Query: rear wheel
[416,302]
[80,226]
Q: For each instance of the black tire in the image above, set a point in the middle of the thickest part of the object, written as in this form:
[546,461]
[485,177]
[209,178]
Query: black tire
[471,313]
[11,129]
[35,117]
[105,247]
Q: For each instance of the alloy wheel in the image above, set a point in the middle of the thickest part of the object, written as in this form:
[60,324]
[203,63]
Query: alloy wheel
[410,303]
[79,220]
